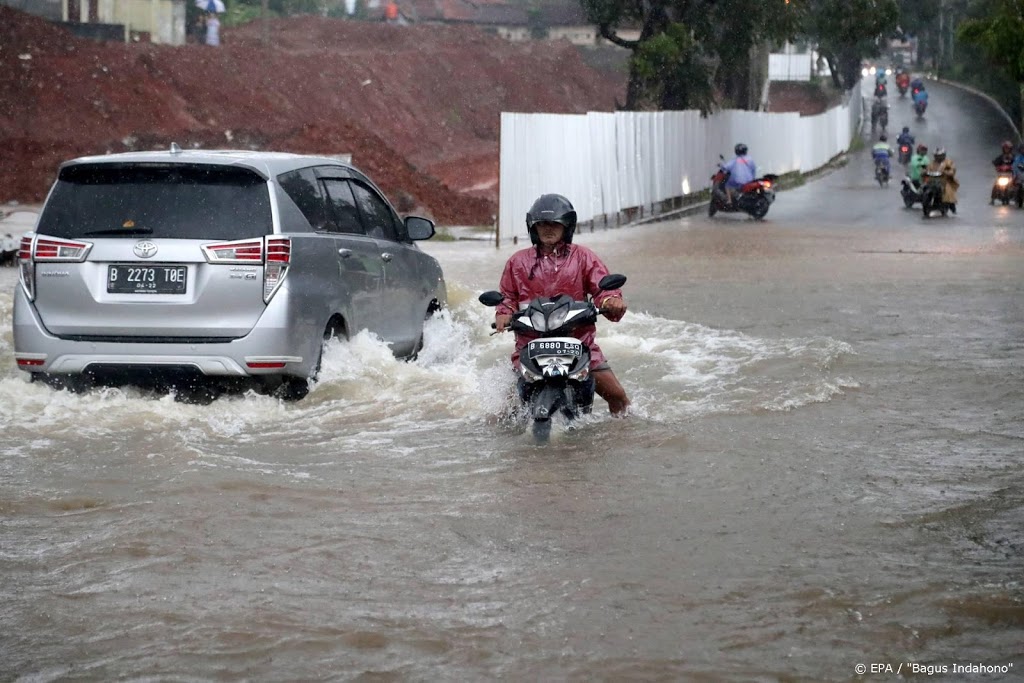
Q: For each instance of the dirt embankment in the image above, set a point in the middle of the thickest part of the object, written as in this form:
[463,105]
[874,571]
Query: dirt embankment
[418,107]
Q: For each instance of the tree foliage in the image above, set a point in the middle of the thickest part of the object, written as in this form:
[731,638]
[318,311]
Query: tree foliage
[847,31]
[690,50]
[1000,35]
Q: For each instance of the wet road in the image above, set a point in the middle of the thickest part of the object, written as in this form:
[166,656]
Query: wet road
[824,470]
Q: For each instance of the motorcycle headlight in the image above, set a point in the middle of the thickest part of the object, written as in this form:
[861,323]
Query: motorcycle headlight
[1003,182]
[581,374]
[528,374]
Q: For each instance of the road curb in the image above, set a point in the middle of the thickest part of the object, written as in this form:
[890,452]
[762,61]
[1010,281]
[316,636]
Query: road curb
[991,100]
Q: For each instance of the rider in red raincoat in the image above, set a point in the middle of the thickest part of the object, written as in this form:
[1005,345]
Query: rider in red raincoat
[554,266]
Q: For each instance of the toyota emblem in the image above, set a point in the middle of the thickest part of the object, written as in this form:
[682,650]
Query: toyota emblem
[145,249]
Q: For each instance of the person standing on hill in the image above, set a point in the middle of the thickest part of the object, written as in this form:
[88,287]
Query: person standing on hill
[212,29]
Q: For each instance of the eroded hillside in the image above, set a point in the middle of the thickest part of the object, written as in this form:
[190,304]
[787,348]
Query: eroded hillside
[418,107]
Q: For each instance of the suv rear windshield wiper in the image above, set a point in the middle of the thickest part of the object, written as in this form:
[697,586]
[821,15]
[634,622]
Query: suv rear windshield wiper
[119,231]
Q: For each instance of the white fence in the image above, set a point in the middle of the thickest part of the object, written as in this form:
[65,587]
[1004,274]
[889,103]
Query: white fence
[796,66]
[609,162]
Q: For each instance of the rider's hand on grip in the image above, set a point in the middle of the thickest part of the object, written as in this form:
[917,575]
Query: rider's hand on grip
[501,322]
[613,308]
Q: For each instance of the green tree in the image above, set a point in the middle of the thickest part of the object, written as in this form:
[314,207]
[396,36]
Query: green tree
[689,50]
[847,31]
[999,32]
[921,20]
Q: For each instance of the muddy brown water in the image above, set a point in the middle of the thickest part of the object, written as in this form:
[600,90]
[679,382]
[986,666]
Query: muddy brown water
[823,471]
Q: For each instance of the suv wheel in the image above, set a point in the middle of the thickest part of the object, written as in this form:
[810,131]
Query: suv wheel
[292,389]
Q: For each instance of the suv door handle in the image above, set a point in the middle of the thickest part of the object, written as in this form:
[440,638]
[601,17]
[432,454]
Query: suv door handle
[344,253]
[386,256]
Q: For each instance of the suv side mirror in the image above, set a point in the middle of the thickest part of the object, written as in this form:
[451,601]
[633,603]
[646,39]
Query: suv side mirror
[419,228]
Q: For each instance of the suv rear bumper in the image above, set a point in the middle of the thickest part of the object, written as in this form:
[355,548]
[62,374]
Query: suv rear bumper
[272,340]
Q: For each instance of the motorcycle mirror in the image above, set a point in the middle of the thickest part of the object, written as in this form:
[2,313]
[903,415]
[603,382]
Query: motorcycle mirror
[611,282]
[491,298]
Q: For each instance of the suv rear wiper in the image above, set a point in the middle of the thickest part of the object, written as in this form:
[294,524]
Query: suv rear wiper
[119,231]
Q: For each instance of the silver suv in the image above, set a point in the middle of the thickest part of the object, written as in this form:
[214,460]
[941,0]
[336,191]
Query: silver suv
[233,265]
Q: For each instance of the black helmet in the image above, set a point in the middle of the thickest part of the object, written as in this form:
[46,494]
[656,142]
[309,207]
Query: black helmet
[883,137]
[940,154]
[551,208]
[740,149]
[906,129]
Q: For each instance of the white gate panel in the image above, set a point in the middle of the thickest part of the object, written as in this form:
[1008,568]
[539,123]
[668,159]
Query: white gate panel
[607,162]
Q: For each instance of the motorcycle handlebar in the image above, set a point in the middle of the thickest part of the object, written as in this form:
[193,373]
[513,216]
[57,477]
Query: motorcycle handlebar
[494,326]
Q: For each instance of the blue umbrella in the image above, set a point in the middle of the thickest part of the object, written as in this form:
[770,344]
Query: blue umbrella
[211,5]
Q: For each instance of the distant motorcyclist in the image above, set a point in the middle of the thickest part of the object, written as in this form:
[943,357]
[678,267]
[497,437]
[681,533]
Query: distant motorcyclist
[920,94]
[916,85]
[880,90]
[741,170]
[880,76]
[948,170]
[881,152]
[905,137]
[902,79]
[1005,158]
[879,113]
[1018,164]
[918,163]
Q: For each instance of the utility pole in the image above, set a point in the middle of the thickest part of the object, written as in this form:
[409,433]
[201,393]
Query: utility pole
[264,7]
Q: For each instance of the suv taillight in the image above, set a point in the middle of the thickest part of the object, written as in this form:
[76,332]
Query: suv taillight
[49,249]
[39,249]
[274,252]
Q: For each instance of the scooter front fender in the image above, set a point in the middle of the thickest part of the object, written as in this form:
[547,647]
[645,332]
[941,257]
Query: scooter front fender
[548,400]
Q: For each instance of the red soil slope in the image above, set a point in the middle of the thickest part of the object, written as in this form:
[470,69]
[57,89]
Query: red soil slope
[418,107]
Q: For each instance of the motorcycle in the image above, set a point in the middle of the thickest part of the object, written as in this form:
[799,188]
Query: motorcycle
[879,115]
[903,84]
[1004,188]
[931,194]
[554,367]
[919,107]
[904,154]
[910,191]
[754,197]
[881,172]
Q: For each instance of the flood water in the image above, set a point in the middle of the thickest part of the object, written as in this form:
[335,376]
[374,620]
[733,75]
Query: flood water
[823,469]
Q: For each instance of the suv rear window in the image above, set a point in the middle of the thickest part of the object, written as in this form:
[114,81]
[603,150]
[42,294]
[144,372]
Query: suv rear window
[157,200]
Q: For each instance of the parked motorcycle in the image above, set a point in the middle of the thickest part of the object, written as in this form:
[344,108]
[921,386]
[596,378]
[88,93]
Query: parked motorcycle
[554,367]
[881,172]
[754,198]
[904,154]
[931,194]
[1003,188]
[910,191]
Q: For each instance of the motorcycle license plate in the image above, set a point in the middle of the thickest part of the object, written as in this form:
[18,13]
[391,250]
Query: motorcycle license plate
[556,347]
